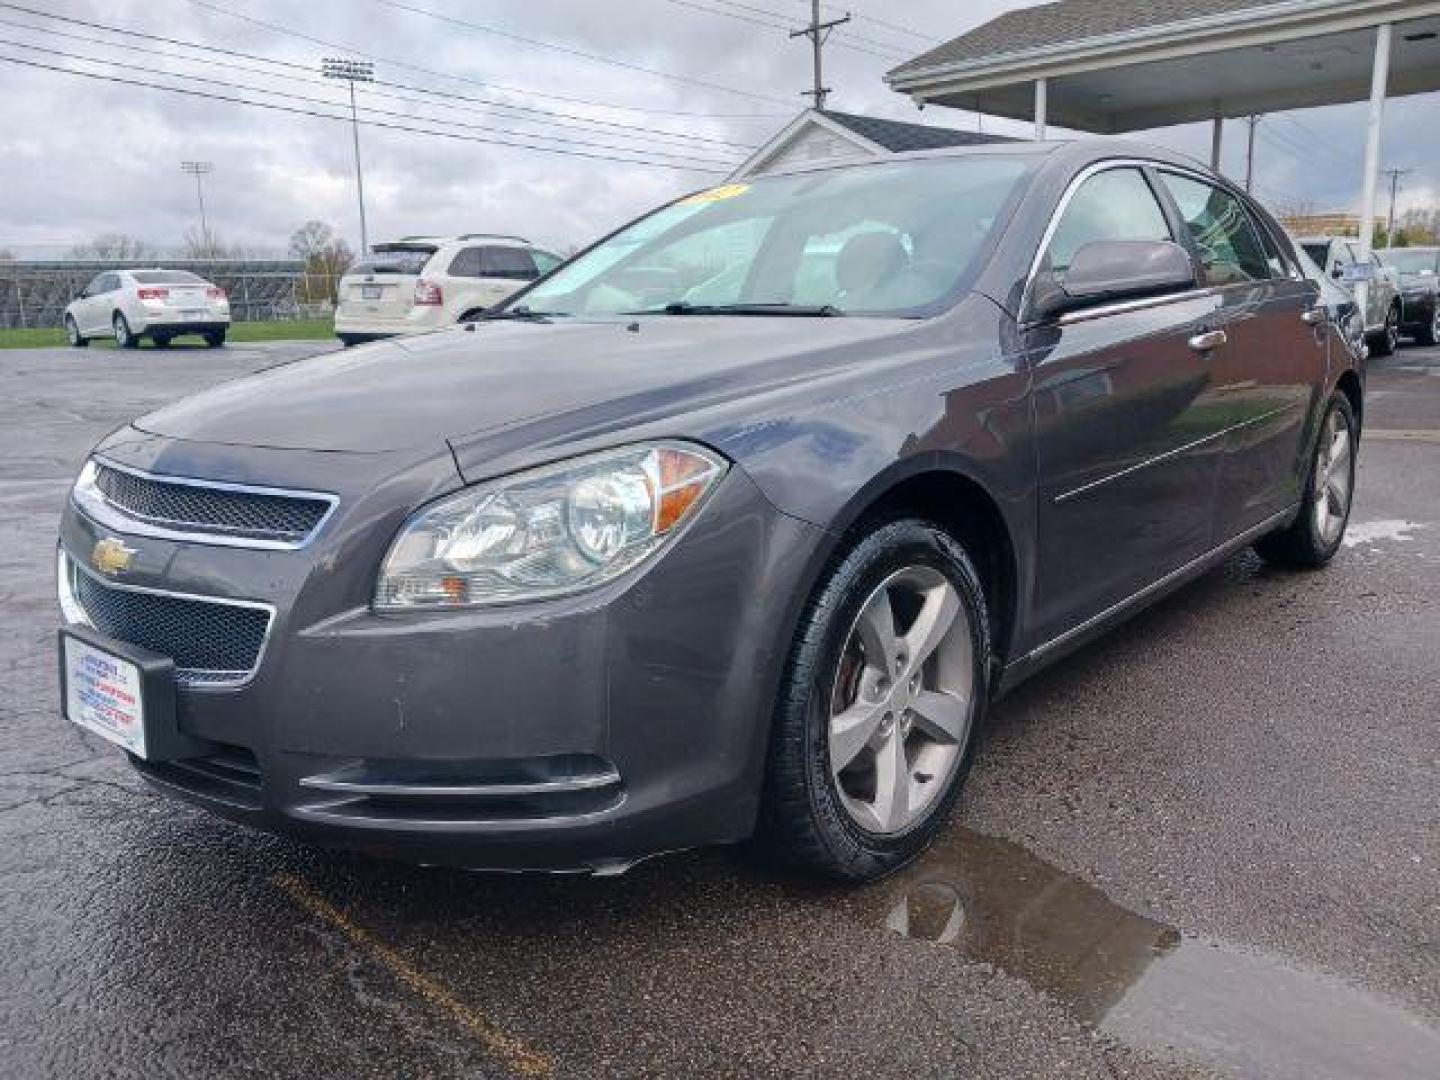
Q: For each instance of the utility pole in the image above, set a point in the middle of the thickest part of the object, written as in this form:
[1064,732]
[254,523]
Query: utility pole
[351,72]
[1395,175]
[199,169]
[1254,121]
[818,32]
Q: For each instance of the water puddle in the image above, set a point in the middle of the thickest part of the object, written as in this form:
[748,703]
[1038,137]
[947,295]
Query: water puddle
[1144,982]
[1369,533]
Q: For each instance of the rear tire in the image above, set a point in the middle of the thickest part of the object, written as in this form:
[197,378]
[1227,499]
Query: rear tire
[162,341]
[73,335]
[124,337]
[1429,334]
[215,338]
[348,341]
[913,720]
[1314,537]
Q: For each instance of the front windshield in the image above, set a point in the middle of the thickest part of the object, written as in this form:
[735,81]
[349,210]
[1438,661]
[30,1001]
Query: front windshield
[886,239]
[1415,261]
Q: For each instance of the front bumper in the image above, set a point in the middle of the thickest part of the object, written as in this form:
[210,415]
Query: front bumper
[585,732]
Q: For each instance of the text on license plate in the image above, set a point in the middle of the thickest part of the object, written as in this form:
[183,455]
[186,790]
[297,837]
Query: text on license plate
[371,292]
[102,694]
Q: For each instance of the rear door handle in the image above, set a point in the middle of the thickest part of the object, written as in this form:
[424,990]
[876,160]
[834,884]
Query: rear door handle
[1211,339]
[1314,316]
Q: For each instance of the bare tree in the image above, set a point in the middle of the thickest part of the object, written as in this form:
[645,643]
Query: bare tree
[203,244]
[114,247]
[6,255]
[326,258]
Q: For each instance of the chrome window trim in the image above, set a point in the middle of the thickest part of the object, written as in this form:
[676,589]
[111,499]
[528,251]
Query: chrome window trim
[1053,224]
[95,505]
[191,678]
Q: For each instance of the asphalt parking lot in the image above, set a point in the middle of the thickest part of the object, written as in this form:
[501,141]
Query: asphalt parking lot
[1208,844]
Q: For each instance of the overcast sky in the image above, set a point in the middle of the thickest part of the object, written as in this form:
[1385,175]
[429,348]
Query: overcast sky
[80,157]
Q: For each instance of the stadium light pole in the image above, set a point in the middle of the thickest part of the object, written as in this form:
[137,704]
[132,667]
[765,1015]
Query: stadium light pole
[351,72]
[199,169]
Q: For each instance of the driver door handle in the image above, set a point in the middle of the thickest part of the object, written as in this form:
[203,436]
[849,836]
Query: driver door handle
[1313,316]
[1211,339]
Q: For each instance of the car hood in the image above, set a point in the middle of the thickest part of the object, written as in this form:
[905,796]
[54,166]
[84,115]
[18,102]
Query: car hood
[446,386]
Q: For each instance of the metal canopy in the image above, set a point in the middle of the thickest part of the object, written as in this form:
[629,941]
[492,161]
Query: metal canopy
[1109,66]
[1296,73]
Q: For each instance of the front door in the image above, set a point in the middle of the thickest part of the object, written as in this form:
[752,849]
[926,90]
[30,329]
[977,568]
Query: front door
[1124,423]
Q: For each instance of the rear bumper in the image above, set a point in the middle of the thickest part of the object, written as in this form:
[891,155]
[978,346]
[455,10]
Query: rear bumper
[419,320]
[189,326]
[580,733]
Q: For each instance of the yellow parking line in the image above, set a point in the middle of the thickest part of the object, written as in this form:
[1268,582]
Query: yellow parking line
[516,1054]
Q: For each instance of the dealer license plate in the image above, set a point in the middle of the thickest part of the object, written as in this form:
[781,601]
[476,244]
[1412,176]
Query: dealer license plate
[104,694]
[371,292]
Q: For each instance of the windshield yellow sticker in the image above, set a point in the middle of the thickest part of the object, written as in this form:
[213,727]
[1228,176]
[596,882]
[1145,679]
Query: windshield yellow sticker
[714,194]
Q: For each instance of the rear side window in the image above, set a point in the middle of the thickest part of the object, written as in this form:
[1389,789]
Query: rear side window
[1230,252]
[1116,204]
[466,263]
[1320,253]
[507,262]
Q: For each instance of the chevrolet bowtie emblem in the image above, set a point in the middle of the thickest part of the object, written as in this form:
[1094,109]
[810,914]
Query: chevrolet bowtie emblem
[110,556]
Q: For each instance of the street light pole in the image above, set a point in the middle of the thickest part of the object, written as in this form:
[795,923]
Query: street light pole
[198,169]
[351,72]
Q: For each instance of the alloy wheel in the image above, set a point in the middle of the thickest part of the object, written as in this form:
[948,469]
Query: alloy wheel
[72,332]
[122,331]
[1334,478]
[900,710]
[1392,331]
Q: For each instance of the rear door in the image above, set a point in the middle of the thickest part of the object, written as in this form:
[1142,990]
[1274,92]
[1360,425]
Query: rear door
[1124,425]
[1266,376]
[504,270]
[381,287]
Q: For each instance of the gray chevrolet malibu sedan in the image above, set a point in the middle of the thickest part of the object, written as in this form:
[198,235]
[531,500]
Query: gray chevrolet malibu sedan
[730,527]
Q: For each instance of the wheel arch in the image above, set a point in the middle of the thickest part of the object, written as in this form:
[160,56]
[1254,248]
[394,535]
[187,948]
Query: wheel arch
[951,496]
[1349,384]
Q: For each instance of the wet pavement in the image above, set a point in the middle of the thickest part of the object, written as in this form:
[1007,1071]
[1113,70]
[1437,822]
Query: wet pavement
[1207,845]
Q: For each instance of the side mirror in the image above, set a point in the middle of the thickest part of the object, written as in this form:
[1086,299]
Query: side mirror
[1107,270]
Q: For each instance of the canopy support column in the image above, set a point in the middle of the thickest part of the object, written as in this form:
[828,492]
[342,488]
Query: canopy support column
[1379,77]
[1217,132]
[1041,86]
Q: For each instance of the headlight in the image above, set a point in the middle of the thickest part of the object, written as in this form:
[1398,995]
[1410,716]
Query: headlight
[547,532]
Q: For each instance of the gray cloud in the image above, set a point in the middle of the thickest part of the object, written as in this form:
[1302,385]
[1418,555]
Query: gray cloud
[79,157]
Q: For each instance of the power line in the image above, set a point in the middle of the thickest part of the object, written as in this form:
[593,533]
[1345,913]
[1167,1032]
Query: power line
[454,136]
[444,100]
[844,41]
[551,116]
[860,15]
[567,49]
[288,95]
[290,31]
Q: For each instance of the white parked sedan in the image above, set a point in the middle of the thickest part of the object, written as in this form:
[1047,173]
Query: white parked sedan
[159,304]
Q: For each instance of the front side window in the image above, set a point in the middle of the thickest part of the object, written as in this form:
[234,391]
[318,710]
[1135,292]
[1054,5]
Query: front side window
[892,238]
[93,289]
[1116,204]
[1230,252]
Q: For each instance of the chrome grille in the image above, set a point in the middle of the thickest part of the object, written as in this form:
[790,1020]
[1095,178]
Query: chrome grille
[193,506]
[212,642]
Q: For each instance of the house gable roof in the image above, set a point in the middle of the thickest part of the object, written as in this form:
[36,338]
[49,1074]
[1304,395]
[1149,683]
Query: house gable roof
[898,136]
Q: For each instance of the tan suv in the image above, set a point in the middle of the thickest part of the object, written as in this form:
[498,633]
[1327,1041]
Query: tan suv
[421,283]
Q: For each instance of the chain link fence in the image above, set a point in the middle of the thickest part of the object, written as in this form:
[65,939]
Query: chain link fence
[36,293]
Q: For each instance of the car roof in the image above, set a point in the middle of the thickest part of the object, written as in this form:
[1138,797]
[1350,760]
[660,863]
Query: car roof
[500,239]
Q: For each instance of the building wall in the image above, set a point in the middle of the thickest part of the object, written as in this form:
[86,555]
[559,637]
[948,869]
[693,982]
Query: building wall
[810,145]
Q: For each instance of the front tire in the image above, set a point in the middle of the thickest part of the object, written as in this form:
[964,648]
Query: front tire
[73,336]
[124,336]
[880,706]
[1314,537]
